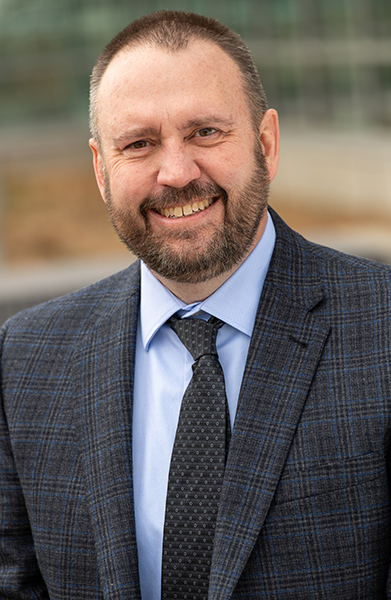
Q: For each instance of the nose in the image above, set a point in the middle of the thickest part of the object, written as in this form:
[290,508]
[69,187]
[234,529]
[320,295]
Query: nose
[177,167]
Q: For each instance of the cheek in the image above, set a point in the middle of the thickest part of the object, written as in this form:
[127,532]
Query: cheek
[231,170]
[129,185]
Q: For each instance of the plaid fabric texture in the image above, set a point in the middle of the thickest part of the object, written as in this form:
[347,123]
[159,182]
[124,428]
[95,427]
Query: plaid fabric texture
[305,509]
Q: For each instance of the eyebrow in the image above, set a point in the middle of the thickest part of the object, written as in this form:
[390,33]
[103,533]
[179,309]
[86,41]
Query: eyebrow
[202,122]
[136,133]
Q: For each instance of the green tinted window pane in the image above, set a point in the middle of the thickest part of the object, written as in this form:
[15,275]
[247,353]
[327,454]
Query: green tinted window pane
[311,53]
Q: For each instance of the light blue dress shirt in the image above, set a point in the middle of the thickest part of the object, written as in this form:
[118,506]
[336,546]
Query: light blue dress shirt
[162,373]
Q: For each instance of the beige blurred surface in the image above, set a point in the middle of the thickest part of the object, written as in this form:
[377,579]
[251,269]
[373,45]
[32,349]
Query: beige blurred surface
[56,235]
[333,188]
[51,207]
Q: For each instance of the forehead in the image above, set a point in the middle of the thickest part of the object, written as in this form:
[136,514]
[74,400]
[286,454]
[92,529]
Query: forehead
[148,81]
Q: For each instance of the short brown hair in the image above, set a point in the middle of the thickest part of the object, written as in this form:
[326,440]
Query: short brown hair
[172,30]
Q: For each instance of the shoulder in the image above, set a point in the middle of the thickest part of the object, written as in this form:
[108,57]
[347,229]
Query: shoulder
[74,314]
[300,267]
[306,255]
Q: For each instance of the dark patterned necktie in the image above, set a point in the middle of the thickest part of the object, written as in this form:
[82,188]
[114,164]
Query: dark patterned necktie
[197,466]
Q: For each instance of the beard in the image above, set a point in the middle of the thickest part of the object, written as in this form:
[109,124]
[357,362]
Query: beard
[185,256]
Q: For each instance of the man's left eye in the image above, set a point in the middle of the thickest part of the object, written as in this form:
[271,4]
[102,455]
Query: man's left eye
[206,131]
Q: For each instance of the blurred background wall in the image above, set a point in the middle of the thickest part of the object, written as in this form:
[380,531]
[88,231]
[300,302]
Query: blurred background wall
[326,68]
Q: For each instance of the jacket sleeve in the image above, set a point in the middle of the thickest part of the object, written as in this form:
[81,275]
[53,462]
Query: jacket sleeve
[20,577]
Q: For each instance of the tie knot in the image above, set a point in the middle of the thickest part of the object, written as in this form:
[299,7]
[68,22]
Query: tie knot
[197,335]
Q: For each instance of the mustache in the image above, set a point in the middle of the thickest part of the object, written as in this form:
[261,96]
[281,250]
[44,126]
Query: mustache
[172,197]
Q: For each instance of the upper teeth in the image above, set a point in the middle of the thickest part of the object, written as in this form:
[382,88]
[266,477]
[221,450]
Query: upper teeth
[188,209]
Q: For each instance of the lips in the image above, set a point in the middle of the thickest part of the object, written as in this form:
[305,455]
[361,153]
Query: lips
[177,212]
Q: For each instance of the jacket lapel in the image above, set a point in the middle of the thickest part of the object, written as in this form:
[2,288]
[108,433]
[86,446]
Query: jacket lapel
[104,376]
[285,349]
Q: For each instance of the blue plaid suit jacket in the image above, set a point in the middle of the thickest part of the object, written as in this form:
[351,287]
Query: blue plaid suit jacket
[305,508]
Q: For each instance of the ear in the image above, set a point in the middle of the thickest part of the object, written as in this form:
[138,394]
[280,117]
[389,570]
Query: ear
[98,167]
[270,140]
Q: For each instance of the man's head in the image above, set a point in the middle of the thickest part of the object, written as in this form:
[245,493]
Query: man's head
[182,159]
[173,31]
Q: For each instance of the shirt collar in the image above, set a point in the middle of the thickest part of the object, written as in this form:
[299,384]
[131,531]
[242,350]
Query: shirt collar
[235,302]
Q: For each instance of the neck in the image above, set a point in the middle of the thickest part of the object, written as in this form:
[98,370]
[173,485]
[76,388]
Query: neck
[195,292]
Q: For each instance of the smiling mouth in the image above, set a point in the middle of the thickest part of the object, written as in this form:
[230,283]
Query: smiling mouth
[177,212]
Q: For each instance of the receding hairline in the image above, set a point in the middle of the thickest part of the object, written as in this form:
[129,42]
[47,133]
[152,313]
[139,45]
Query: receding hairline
[193,42]
[122,52]
[173,31]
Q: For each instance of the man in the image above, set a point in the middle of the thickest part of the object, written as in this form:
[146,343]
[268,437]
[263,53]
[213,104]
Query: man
[184,149]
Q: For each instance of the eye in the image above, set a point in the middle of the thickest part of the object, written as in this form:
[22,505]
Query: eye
[206,131]
[139,145]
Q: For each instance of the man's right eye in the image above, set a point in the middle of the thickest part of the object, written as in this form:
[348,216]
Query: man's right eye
[139,144]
